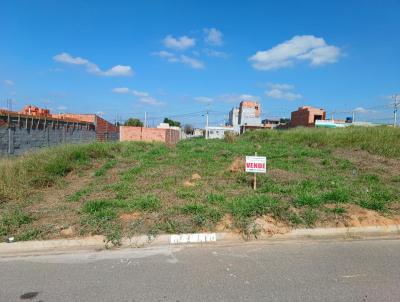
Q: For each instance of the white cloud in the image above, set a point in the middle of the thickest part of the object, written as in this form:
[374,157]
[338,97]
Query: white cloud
[213,36]
[280,86]
[283,95]
[150,101]
[363,110]
[237,98]
[282,92]
[298,48]
[180,43]
[116,71]
[215,53]
[62,108]
[203,99]
[139,93]
[170,57]
[143,97]
[191,62]
[121,90]
[9,82]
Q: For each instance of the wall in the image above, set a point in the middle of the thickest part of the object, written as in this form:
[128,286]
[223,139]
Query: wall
[249,113]
[23,139]
[129,133]
[105,131]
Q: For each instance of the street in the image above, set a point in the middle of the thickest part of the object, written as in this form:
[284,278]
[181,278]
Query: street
[367,270]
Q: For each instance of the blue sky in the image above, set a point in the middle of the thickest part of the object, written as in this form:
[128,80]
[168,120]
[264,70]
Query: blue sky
[175,58]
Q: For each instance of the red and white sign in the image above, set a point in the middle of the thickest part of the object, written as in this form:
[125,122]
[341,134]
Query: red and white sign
[256,164]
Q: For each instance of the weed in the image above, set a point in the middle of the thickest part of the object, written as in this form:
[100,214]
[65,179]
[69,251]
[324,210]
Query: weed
[370,178]
[230,137]
[294,218]
[310,217]
[337,195]
[255,205]
[186,194]
[12,220]
[75,197]
[215,199]
[202,214]
[307,199]
[107,166]
[148,203]
[336,210]
[373,204]
[32,234]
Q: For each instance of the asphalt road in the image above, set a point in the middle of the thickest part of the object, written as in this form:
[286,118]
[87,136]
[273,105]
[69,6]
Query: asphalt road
[280,271]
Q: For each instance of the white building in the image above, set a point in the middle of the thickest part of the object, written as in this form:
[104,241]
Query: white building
[218,132]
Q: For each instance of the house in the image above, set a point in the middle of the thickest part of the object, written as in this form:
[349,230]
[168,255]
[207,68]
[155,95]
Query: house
[306,116]
[213,132]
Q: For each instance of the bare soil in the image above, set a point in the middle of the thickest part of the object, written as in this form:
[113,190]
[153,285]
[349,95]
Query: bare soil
[364,161]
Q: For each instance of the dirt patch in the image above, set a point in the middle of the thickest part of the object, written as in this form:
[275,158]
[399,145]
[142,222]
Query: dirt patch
[192,182]
[187,183]
[269,226]
[127,217]
[68,232]
[196,176]
[283,176]
[225,224]
[357,216]
[387,167]
[238,165]
[52,207]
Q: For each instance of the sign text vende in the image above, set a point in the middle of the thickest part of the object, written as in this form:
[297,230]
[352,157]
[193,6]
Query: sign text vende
[256,164]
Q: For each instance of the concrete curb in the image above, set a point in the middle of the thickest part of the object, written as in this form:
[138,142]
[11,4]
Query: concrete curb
[98,243]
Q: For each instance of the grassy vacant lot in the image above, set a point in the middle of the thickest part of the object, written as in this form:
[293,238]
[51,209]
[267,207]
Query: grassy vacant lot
[316,177]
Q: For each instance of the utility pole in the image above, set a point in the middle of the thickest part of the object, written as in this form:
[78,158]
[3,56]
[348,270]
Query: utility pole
[207,123]
[354,117]
[9,104]
[145,119]
[396,104]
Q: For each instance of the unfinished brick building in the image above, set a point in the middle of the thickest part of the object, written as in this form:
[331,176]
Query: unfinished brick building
[34,128]
[306,116]
[130,133]
[104,130]
[249,113]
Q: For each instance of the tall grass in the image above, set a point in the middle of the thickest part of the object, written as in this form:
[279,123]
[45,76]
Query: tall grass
[382,140]
[20,175]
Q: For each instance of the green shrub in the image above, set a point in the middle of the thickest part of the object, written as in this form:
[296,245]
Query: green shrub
[148,203]
[376,205]
[307,199]
[214,198]
[310,217]
[13,219]
[337,195]
[107,166]
[255,205]
[202,214]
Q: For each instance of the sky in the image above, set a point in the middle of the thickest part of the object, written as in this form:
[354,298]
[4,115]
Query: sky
[178,59]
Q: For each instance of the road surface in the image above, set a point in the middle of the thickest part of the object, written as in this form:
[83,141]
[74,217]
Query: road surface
[280,271]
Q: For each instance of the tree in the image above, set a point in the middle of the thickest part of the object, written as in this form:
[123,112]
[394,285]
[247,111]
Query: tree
[133,122]
[188,129]
[172,123]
